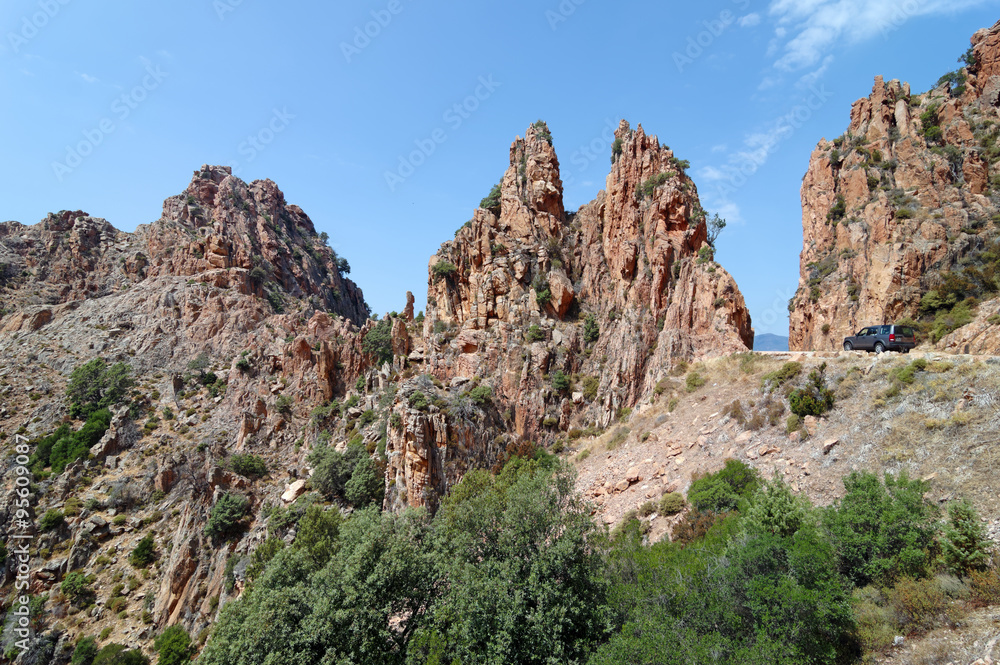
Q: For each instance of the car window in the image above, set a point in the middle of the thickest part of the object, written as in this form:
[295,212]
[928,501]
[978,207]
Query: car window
[904,331]
[884,330]
[866,332]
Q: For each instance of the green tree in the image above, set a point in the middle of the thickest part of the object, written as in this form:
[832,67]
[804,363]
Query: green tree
[519,551]
[715,227]
[173,646]
[227,515]
[378,341]
[85,652]
[775,510]
[815,399]
[76,587]
[318,534]
[492,200]
[882,529]
[95,385]
[965,544]
[144,553]
[723,490]
[591,329]
[366,484]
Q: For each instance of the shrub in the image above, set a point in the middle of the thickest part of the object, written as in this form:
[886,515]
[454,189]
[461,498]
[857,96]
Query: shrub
[65,446]
[284,404]
[51,520]
[882,529]
[144,553]
[543,131]
[694,526]
[837,210]
[85,652]
[671,503]
[119,654]
[560,382]
[481,395]
[534,334]
[965,544]
[94,386]
[418,401]
[815,399]
[248,465]
[492,200]
[227,515]
[378,341]
[590,386]
[916,603]
[173,646]
[542,292]
[366,485]
[694,381]
[443,269]
[591,329]
[774,380]
[76,587]
[616,150]
[649,185]
[722,490]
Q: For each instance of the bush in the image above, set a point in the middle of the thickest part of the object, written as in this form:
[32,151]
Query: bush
[591,329]
[965,544]
[284,404]
[418,401]
[173,646]
[774,380]
[366,485]
[492,200]
[250,466]
[227,515]
[94,386]
[144,553]
[65,446]
[443,269]
[51,520]
[378,341]
[815,399]
[560,381]
[85,652]
[722,490]
[694,381]
[481,395]
[916,603]
[534,334]
[590,386]
[671,503]
[76,587]
[649,185]
[543,131]
[883,529]
[119,654]
[542,292]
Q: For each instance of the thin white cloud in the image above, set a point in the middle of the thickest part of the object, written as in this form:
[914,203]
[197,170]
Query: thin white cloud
[812,77]
[87,77]
[749,21]
[816,26]
[719,148]
[711,173]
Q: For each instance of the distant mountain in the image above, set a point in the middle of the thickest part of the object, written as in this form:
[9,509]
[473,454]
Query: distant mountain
[769,342]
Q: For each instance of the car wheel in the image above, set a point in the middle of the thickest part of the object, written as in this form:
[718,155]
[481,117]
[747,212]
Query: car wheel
[906,350]
[848,346]
[879,347]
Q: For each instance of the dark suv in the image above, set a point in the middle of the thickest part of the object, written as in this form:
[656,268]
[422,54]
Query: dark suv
[882,338]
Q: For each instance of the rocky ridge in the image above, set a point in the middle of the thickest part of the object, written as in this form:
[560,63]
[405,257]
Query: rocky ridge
[568,318]
[898,206]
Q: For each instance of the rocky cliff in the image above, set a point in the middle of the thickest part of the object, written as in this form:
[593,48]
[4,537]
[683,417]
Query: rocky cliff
[567,318]
[900,213]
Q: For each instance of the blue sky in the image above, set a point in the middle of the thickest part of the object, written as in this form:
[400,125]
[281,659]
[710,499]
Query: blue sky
[299,93]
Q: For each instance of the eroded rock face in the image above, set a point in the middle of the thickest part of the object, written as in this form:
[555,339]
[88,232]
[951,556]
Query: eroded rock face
[893,205]
[616,292]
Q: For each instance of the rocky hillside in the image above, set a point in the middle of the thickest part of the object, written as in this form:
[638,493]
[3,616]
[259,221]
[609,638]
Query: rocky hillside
[568,318]
[900,214]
